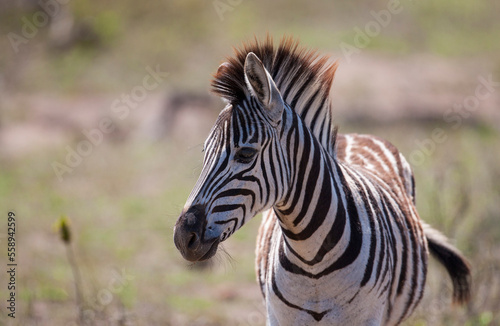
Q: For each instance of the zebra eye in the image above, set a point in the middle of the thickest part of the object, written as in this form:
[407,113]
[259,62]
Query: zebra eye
[245,154]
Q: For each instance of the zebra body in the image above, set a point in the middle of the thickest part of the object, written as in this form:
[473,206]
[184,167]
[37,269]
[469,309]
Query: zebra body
[383,284]
[341,241]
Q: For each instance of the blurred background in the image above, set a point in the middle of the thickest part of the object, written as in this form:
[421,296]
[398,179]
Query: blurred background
[104,107]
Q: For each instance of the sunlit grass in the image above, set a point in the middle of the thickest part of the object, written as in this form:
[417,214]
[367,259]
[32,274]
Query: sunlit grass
[123,212]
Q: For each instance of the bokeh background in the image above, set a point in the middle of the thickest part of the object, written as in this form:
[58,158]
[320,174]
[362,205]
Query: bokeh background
[86,134]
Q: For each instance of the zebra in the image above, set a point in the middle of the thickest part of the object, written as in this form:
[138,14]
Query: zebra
[340,242]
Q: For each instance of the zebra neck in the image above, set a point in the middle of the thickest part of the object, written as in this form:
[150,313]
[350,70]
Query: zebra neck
[330,236]
[313,216]
[314,109]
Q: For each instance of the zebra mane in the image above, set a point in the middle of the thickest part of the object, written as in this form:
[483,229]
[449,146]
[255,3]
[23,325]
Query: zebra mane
[303,77]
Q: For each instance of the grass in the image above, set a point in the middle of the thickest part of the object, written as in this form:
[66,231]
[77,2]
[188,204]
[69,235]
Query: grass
[176,34]
[124,198]
[122,219]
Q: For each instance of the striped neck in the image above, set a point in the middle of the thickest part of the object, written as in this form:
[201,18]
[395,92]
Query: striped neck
[314,214]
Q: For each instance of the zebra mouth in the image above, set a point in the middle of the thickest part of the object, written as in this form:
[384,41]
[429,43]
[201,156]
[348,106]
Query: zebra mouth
[189,236]
[194,251]
[211,251]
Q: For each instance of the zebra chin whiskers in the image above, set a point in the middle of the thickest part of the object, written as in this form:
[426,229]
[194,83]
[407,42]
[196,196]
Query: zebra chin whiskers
[223,259]
[209,265]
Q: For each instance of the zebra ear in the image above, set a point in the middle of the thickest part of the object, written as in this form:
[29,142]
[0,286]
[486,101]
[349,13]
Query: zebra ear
[262,86]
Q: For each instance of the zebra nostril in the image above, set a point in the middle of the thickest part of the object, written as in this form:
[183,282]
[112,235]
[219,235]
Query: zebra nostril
[193,240]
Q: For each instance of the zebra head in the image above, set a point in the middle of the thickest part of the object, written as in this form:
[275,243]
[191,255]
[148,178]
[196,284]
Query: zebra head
[244,169]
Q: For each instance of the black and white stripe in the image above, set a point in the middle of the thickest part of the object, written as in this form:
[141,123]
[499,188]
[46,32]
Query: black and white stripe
[341,241]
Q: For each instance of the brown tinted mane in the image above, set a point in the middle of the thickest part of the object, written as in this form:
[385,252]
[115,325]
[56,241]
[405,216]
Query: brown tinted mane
[285,62]
[303,77]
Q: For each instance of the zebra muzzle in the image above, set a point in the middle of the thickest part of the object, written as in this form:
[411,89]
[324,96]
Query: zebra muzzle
[189,234]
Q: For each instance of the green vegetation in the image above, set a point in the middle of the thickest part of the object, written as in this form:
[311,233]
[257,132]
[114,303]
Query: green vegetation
[124,198]
[125,36]
[121,226]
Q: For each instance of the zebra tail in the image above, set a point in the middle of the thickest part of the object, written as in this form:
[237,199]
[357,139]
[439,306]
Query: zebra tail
[455,263]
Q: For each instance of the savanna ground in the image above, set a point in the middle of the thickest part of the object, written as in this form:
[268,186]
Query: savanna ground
[123,198]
